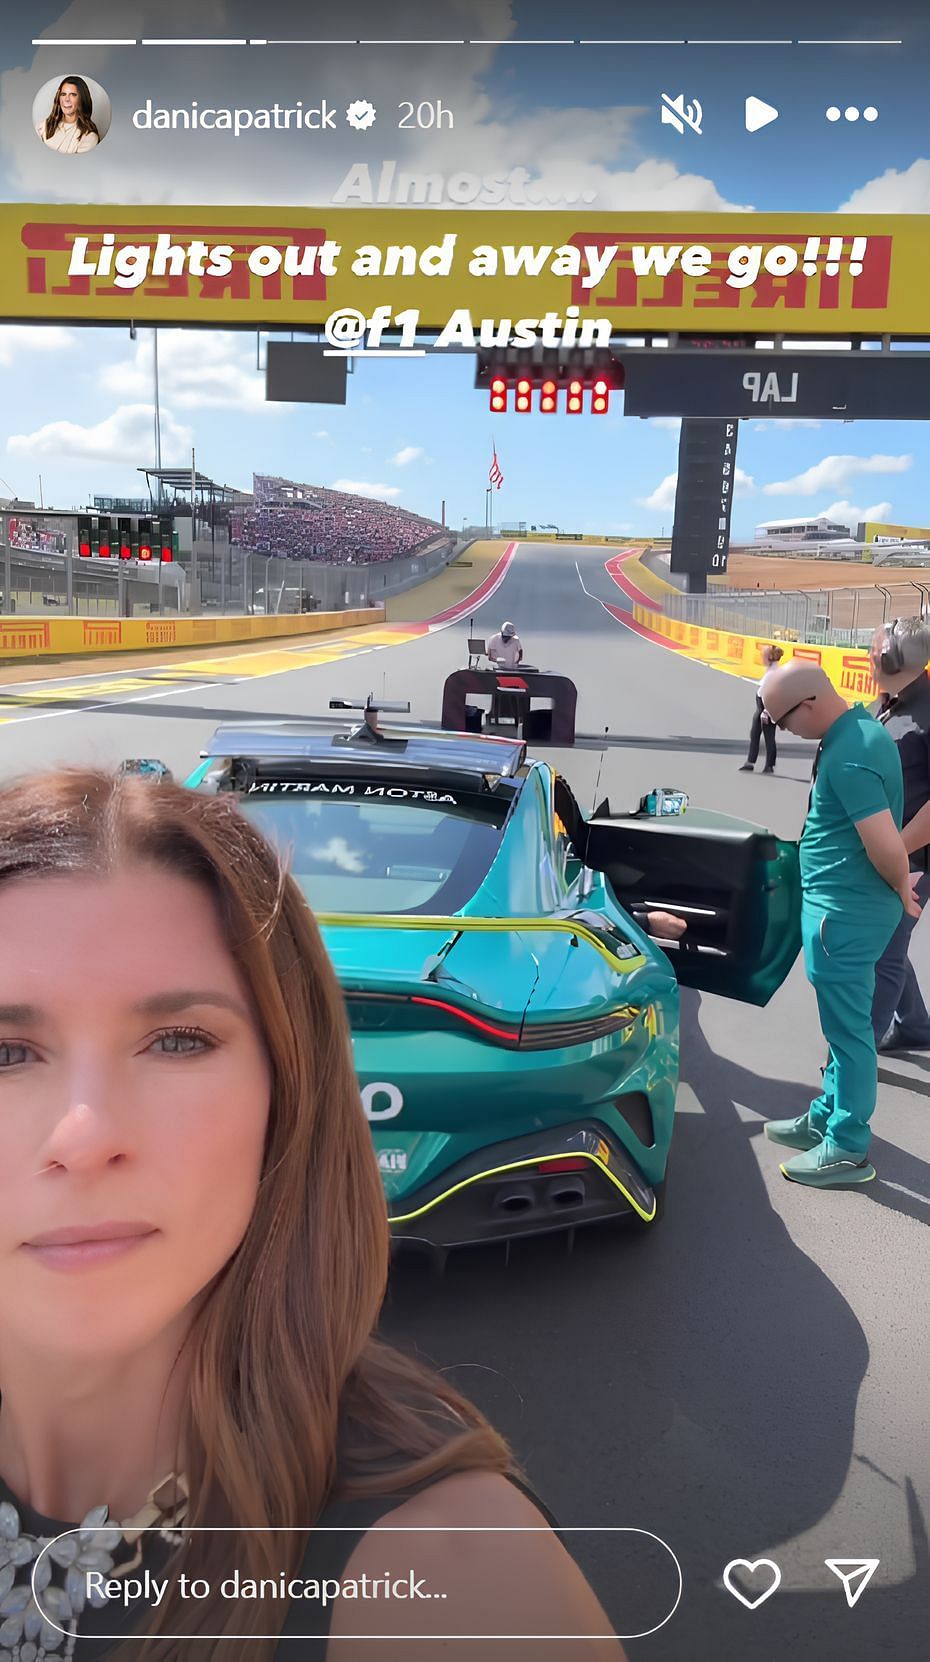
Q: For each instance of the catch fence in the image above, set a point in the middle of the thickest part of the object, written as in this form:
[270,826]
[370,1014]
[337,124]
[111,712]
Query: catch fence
[824,617]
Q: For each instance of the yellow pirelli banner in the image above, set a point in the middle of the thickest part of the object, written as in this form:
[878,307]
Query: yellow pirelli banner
[875,531]
[847,667]
[705,273]
[46,637]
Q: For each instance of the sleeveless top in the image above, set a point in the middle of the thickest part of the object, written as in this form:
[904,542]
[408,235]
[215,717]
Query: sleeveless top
[326,1556]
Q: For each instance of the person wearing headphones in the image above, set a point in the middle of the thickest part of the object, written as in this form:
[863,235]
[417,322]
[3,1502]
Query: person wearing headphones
[505,649]
[899,655]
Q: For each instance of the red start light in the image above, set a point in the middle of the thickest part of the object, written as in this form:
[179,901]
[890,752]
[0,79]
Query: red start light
[145,551]
[125,551]
[600,386]
[498,384]
[575,388]
[574,406]
[84,550]
[599,406]
[498,402]
[166,552]
[547,404]
[548,388]
[523,402]
[523,386]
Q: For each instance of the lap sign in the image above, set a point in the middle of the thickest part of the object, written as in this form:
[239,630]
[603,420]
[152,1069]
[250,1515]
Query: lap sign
[763,386]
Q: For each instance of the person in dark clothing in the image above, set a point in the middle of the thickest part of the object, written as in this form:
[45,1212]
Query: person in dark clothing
[899,654]
[761,728]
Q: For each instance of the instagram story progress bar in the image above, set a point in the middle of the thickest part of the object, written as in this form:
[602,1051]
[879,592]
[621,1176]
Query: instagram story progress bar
[242,40]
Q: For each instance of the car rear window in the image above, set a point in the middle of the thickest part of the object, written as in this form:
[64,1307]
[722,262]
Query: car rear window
[380,855]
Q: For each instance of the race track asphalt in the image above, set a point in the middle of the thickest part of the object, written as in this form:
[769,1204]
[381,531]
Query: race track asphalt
[750,1379]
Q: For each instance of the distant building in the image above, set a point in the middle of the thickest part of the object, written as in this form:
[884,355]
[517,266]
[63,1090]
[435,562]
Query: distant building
[788,531]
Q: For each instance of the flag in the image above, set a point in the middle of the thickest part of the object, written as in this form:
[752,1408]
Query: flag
[495,476]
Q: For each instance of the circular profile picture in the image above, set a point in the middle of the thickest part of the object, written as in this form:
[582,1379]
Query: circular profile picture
[71,114]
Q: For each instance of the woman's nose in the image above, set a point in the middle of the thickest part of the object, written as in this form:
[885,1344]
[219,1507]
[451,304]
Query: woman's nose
[90,1132]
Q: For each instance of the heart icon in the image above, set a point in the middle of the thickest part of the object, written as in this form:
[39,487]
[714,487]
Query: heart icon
[764,1564]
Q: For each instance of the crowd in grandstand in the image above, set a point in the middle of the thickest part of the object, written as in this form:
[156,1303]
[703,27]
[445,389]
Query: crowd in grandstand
[308,522]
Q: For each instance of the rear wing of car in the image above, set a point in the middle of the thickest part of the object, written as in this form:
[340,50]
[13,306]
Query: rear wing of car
[420,752]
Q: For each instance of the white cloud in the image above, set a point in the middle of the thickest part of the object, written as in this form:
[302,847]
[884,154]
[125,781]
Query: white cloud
[30,337]
[846,513]
[893,192]
[834,472]
[127,435]
[321,433]
[409,453]
[361,487]
[786,426]
[337,852]
[662,499]
[197,369]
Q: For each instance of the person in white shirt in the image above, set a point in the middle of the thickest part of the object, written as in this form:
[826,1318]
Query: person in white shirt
[69,126]
[505,649]
[760,727]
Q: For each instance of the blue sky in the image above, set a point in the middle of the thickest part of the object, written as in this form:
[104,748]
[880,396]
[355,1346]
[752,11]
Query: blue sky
[76,404]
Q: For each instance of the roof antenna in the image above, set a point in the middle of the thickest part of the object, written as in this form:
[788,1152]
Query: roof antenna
[368,730]
[596,807]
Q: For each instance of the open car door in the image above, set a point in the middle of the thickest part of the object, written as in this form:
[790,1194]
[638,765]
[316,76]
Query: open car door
[737,886]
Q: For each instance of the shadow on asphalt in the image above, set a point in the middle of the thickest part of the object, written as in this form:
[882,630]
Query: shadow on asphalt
[733,1366]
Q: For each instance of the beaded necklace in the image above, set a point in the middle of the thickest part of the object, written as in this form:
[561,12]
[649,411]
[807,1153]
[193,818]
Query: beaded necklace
[43,1577]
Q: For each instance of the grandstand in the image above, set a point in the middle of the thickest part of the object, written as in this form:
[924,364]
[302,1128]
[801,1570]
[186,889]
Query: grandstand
[309,522]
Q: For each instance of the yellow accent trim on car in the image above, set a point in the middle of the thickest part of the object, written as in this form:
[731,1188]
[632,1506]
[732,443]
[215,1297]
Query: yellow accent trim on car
[382,920]
[518,1165]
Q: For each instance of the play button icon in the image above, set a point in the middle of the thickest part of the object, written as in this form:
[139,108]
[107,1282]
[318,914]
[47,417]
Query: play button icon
[759,114]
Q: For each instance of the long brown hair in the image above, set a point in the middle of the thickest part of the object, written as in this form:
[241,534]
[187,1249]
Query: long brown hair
[292,1399]
[85,121]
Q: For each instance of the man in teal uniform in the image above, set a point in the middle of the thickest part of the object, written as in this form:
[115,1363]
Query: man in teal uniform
[855,883]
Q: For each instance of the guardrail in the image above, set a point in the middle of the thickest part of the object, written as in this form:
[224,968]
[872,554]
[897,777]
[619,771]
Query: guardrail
[31,636]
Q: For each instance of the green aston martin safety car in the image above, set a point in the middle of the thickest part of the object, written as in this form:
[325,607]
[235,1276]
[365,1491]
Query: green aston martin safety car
[515,1028]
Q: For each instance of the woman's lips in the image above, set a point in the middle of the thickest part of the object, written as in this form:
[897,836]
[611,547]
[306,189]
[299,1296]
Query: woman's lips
[84,1249]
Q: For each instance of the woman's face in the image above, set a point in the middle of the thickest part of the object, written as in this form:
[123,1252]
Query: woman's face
[134,1091]
[70,100]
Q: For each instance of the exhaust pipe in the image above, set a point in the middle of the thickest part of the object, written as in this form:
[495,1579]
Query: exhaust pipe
[565,1194]
[517,1197]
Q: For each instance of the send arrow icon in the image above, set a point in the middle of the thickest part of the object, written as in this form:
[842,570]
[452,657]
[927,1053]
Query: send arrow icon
[854,1573]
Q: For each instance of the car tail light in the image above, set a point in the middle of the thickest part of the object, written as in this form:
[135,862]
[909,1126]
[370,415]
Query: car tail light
[564,1162]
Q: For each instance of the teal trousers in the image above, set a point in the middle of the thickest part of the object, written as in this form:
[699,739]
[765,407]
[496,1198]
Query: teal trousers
[841,950]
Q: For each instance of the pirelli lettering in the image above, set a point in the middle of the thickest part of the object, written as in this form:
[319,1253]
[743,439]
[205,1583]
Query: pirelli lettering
[27,636]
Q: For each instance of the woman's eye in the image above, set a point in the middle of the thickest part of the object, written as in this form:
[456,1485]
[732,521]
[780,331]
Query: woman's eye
[183,1041]
[12,1055]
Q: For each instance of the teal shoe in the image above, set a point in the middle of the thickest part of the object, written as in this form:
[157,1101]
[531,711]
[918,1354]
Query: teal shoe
[797,1133]
[828,1167]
